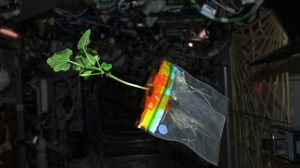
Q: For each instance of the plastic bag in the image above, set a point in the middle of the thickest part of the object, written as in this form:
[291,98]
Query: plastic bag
[181,108]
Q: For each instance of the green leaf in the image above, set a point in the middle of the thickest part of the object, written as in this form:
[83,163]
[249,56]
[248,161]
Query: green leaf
[97,58]
[86,73]
[90,60]
[76,67]
[105,66]
[78,60]
[92,52]
[60,60]
[84,40]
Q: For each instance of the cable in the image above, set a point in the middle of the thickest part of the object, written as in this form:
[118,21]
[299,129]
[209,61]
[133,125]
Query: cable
[66,29]
[77,15]
[64,13]
[234,6]
[230,20]
[227,9]
[72,110]
[60,153]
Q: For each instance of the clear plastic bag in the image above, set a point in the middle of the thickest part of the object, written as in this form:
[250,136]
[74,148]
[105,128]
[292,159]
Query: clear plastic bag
[185,110]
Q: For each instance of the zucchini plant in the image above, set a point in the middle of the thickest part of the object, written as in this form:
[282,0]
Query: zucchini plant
[86,61]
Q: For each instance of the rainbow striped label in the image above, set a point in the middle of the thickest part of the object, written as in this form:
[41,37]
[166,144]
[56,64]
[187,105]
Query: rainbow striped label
[157,103]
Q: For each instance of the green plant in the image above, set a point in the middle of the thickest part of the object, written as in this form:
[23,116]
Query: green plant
[86,61]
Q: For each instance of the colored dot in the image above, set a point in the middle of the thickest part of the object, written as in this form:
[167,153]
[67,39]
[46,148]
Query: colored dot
[163,129]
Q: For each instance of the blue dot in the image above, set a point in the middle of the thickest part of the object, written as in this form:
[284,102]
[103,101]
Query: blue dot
[163,129]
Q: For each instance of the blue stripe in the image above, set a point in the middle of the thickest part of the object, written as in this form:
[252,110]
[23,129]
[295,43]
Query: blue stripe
[168,92]
[157,120]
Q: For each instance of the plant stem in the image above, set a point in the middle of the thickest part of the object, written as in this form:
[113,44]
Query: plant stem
[101,72]
[99,66]
[76,64]
[95,74]
[124,82]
